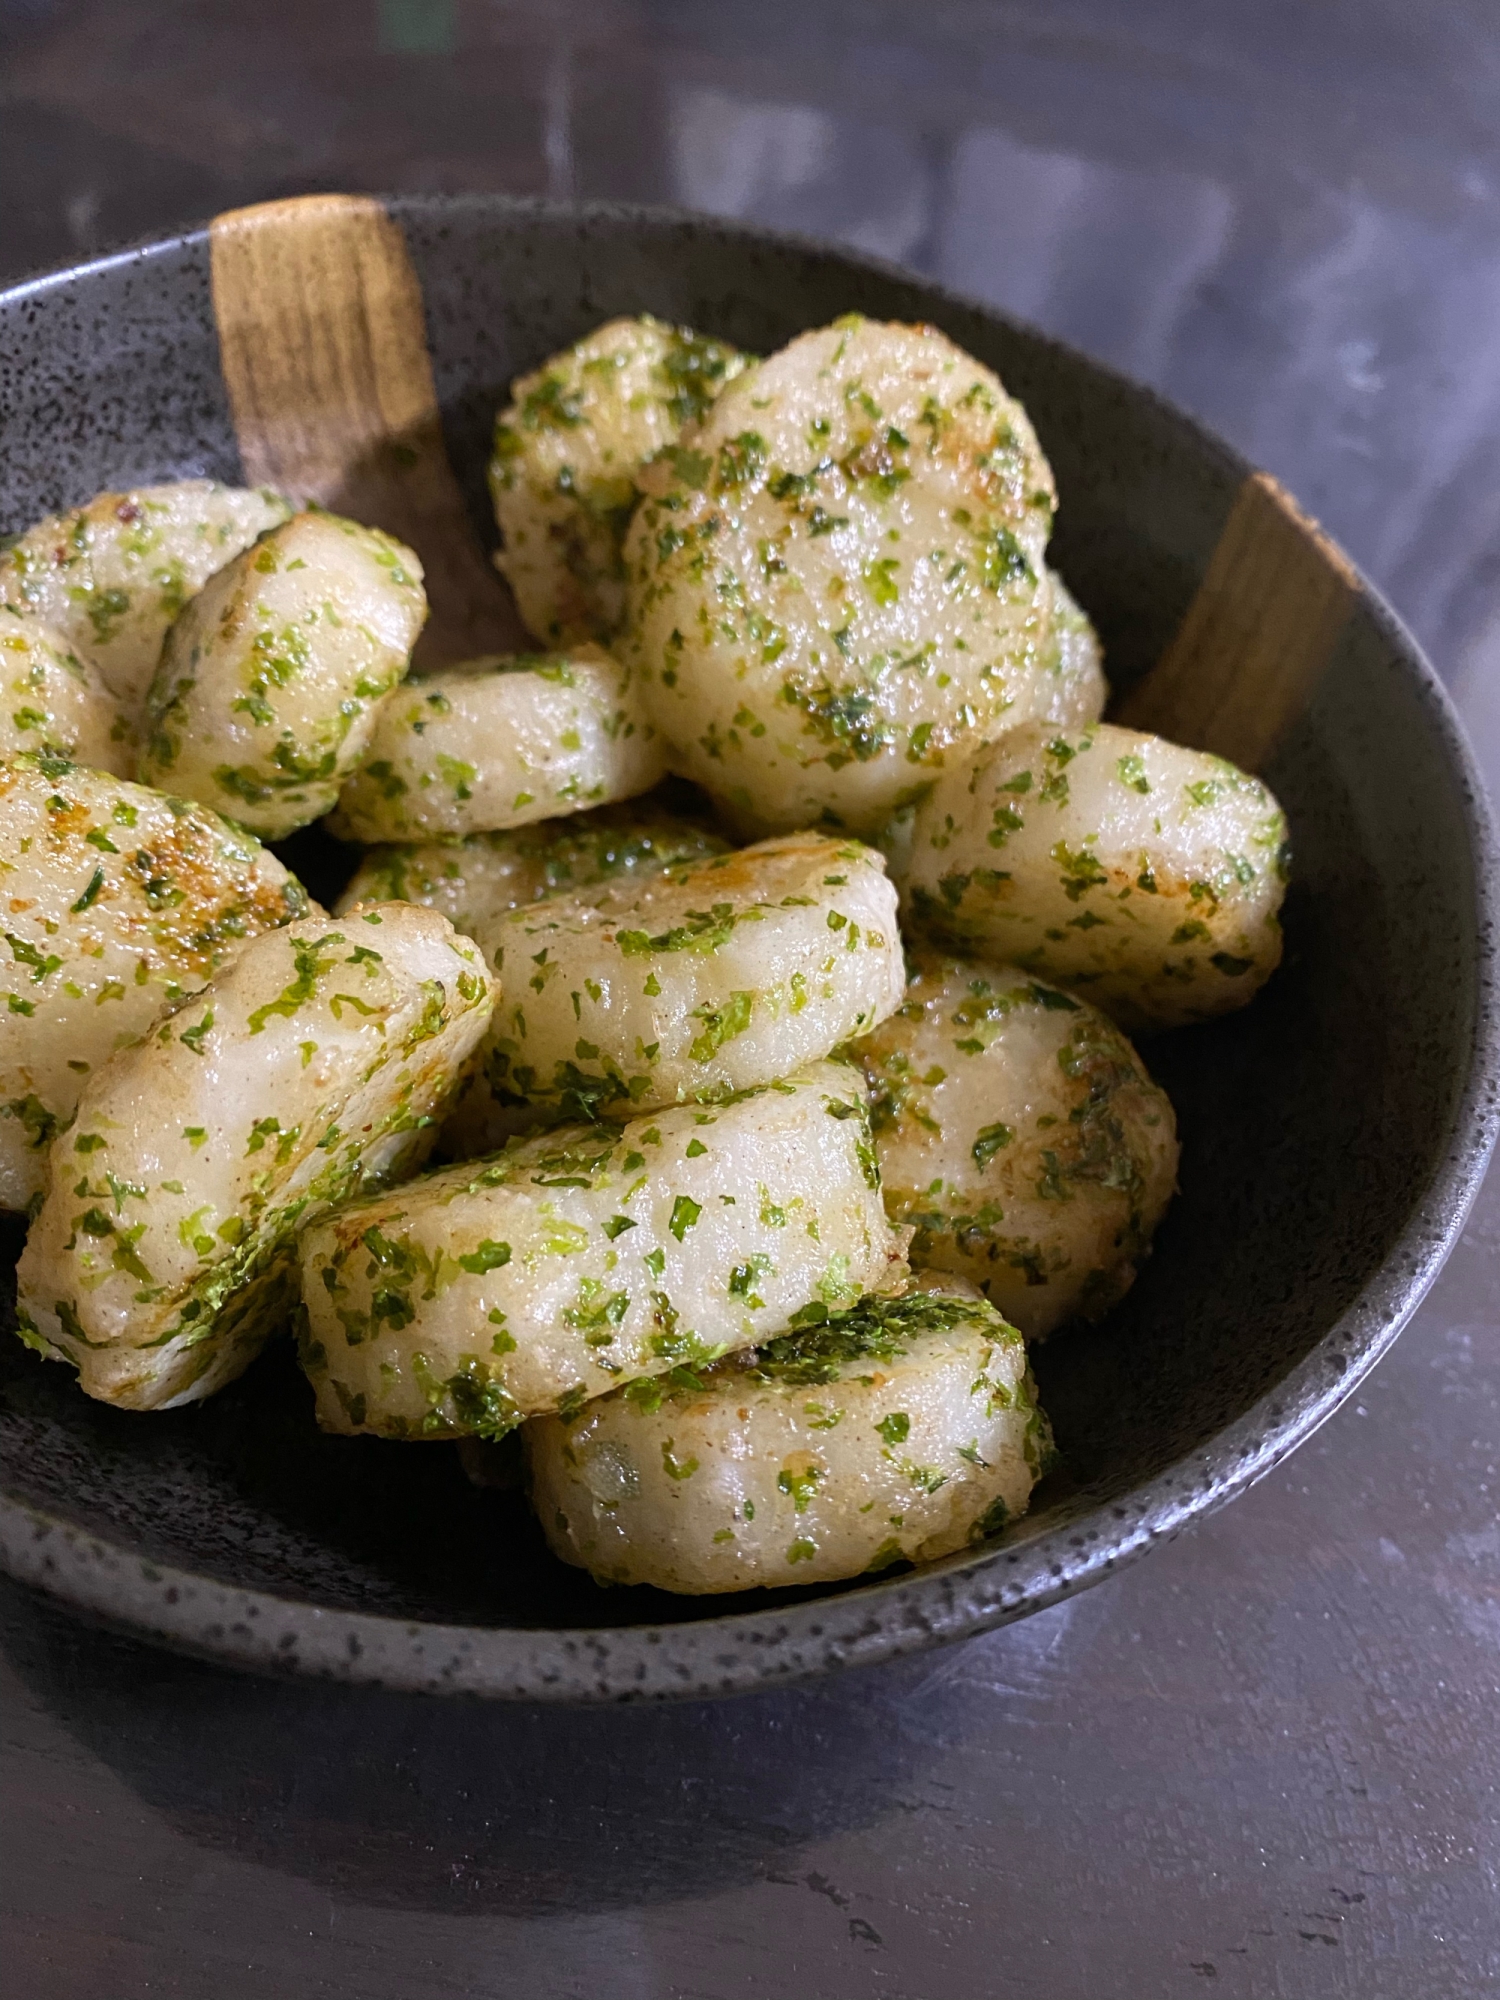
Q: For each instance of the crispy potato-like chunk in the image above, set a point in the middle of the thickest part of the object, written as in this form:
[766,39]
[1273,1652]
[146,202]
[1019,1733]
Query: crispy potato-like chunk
[838,590]
[549,1273]
[476,880]
[270,681]
[1021,1136]
[907,1427]
[311,1068]
[1144,875]
[704,978]
[117,902]
[111,576]
[569,449]
[500,743]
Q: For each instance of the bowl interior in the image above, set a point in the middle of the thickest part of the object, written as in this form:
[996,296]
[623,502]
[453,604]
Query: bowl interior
[1312,1124]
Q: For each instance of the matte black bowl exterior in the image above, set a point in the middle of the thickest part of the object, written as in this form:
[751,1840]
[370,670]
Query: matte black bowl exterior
[1333,1134]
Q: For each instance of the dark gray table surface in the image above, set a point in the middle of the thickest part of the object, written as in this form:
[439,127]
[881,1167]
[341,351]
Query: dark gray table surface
[1263,1762]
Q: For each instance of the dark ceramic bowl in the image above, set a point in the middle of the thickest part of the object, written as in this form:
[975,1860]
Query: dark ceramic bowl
[1333,1134]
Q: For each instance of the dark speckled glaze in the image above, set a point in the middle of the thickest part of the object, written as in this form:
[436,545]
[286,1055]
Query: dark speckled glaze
[1333,1134]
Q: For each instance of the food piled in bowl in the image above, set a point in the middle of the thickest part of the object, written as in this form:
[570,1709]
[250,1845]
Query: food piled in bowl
[752,1181]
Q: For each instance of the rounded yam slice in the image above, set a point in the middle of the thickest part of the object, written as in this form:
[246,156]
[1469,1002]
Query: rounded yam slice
[906,1427]
[111,576]
[836,586]
[117,902]
[475,880]
[1021,1136]
[270,681]
[1144,875]
[311,1068]
[499,743]
[568,451]
[707,977]
[549,1273]
[53,699]
[487,874]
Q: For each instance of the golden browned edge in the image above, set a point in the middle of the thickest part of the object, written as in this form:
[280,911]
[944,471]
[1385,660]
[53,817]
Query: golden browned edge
[1268,614]
[323,345]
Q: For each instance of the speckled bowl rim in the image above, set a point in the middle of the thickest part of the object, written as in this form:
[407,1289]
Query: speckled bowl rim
[955,1598]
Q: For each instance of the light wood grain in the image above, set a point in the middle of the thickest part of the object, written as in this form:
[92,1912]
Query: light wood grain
[323,344]
[1257,636]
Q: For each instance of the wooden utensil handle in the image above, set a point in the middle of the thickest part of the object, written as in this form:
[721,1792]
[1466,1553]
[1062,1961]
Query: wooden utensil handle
[1257,636]
[323,345]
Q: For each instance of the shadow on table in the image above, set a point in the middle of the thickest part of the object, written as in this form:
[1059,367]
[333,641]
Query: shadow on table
[402,1801]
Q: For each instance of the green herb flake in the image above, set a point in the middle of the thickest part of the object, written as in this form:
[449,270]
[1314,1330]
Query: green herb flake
[801,1486]
[489,1256]
[880,580]
[989,1142]
[721,1025]
[685,1212]
[309,968]
[91,893]
[192,1038]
